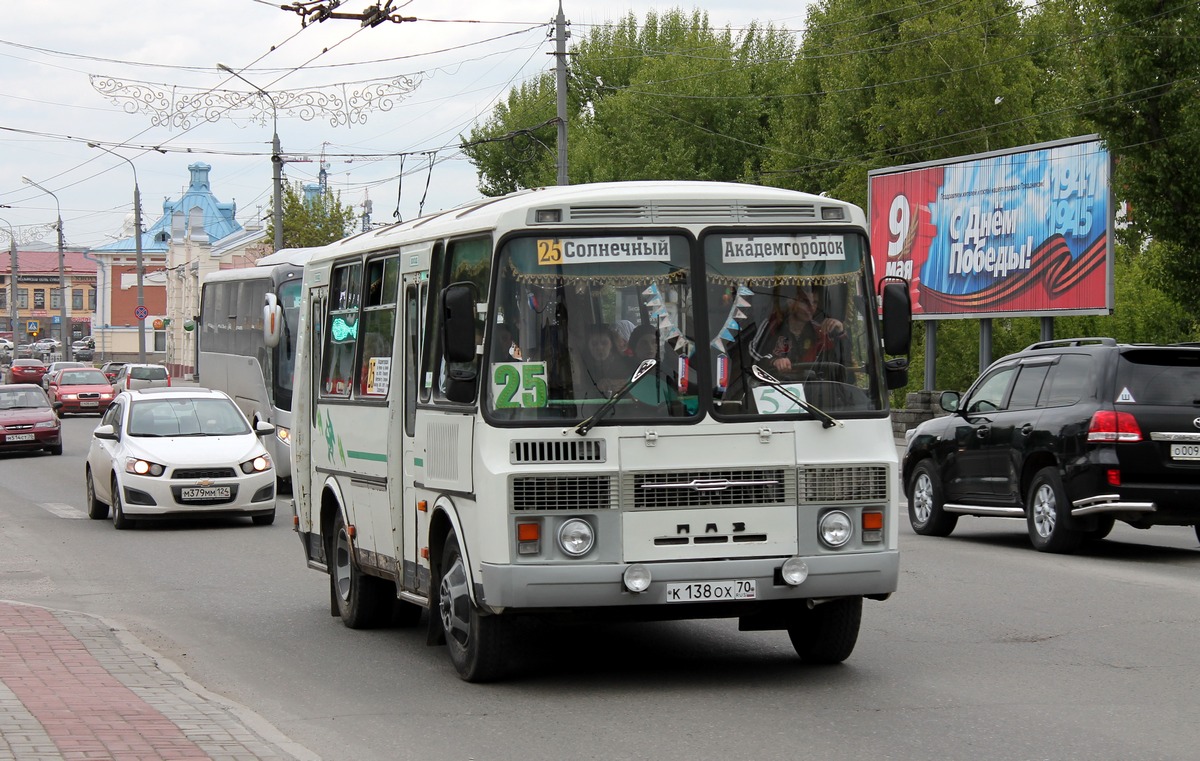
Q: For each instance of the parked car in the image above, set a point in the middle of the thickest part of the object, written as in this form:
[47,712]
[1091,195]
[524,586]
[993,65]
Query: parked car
[171,452]
[110,369]
[25,371]
[27,420]
[1070,435]
[23,351]
[54,367]
[81,391]
[134,376]
[6,343]
[84,349]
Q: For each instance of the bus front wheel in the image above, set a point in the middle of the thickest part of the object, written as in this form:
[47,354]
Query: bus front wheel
[362,601]
[826,633]
[476,641]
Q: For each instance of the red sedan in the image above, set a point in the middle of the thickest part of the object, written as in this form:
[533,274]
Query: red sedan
[27,420]
[81,391]
[26,371]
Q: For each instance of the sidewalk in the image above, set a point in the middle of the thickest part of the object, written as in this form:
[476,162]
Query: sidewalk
[76,688]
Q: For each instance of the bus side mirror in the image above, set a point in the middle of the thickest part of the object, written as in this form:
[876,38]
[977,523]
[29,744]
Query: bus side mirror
[897,317]
[272,321]
[458,342]
[458,323]
[897,330]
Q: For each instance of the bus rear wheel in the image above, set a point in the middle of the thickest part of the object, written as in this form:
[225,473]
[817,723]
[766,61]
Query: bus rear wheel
[362,601]
[476,642]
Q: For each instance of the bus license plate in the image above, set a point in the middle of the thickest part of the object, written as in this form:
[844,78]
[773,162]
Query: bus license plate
[1185,451]
[19,437]
[712,591]
[205,492]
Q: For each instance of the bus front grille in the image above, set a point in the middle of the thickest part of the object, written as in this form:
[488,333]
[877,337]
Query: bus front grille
[572,450]
[657,490]
[851,483]
[562,493]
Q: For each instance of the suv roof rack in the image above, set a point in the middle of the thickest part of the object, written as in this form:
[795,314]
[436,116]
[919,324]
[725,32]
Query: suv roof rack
[1102,341]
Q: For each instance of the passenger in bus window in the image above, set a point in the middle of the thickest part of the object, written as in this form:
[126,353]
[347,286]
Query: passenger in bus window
[607,369]
[622,329]
[504,346]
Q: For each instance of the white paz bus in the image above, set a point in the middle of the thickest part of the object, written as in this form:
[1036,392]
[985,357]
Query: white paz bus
[646,400]
[232,354]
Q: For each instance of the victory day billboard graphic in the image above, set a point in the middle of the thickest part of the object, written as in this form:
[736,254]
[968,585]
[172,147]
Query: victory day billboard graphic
[1021,232]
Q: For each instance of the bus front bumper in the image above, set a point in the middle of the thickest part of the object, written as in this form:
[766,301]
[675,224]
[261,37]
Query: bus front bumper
[593,585]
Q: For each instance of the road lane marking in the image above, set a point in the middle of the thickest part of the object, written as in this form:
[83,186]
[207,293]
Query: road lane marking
[62,511]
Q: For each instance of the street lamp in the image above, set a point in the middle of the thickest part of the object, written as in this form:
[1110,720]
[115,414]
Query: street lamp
[276,158]
[137,237]
[12,287]
[62,273]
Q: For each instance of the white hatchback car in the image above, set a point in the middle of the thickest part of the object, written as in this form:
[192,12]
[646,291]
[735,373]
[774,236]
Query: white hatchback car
[178,452]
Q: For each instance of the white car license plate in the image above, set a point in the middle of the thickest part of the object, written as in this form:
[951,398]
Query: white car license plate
[712,591]
[19,437]
[89,404]
[204,492]
[1185,451]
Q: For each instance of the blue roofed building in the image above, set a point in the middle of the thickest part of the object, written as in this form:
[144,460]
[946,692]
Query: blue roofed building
[195,235]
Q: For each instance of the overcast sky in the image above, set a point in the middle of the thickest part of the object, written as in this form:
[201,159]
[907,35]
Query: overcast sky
[80,71]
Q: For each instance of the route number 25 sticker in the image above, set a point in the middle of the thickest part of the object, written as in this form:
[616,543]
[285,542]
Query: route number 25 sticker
[519,384]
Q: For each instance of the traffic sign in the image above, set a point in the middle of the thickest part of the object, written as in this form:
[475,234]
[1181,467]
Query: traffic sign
[32,326]
[141,312]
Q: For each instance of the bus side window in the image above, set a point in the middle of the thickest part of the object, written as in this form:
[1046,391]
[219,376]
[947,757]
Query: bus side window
[378,326]
[341,332]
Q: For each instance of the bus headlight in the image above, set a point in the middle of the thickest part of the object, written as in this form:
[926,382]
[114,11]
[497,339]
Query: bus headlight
[575,537]
[794,571]
[636,578]
[836,528]
[283,434]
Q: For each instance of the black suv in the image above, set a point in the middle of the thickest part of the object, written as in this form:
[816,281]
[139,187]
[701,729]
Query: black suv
[1071,435]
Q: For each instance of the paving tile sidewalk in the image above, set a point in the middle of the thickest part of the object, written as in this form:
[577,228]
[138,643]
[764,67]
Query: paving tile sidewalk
[74,687]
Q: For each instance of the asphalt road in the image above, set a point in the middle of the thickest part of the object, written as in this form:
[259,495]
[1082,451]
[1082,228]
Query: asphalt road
[988,651]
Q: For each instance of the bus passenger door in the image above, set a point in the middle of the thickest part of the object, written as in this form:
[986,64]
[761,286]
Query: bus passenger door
[305,437]
[411,524]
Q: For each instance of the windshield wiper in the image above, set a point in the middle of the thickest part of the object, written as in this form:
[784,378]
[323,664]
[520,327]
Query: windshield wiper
[587,425]
[827,420]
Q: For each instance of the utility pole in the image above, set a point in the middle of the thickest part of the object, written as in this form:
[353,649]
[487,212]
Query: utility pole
[560,87]
[12,287]
[276,158]
[62,275]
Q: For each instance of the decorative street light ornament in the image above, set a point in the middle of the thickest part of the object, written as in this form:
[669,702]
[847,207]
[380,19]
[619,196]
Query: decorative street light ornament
[180,107]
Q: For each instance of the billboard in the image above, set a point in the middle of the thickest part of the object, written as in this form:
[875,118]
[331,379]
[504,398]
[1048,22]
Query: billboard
[1011,233]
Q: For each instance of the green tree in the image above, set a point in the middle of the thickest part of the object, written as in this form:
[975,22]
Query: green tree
[311,220]
[1142,75]
[668,99]
[879,84]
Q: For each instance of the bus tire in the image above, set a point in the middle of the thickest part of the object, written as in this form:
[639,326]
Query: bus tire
[362,601]
[97,510]
[476,641]
[826,634]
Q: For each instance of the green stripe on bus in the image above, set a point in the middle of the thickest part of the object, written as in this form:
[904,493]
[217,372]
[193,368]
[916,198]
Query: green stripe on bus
[366,456]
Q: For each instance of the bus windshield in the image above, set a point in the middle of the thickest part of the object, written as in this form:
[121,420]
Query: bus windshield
[573,316]
[285,353]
